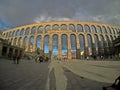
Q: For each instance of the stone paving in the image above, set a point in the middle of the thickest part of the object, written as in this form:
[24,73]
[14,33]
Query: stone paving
[57,75]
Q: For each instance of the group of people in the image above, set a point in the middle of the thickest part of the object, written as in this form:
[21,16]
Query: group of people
[42,59]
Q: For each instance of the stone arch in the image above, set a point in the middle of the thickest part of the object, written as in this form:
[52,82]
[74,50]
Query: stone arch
[107,41]
[79,28]
[96,43]
[33,30]
[46,44]
[73,45]
[89,40]
[17,33]
[38,45]
[64,42]
[13,33]
[10,34]
[55,27]
[109,30]
[47,28]
[101,46]
[113,30]
[15,41]
[25,42]
[104,30]
[31,43]
[7,34]
[27,31]
[82,44]
[63,27]
[20,41]
[72,27]
[40,29]
[55,45]
[99,29]
[93,29]
[87,28]
[111,38]
[22,32]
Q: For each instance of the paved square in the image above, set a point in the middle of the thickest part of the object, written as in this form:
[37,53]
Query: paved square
[58,75]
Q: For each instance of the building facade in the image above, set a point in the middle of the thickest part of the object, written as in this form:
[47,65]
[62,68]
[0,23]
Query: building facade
[69,39]
[7,50]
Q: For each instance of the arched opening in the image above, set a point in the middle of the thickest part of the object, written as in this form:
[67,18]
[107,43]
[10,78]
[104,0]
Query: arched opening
[63,27]
[47,28]
[27,31]
[17,33]
[46,45]
[55,27]
[72,27]
[95,46]
[15,40]
[82,45]
[104,30]
[93,29]
[22,32]
[55,45]
[33,30]
[64,43]
[87,28]
[89,48]
[73,46]
[40,29]
[79,28]
[20,42]
[99,29]
[31,43]
[13,33]
[38,42]
[25,41]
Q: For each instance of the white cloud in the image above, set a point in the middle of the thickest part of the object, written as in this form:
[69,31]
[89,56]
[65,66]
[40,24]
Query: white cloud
[46,18]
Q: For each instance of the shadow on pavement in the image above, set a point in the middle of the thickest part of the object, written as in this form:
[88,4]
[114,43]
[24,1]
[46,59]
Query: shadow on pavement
[52,81]
[76,82]
[25,76]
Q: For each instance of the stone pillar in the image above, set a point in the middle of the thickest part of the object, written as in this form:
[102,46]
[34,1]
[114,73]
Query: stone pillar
[12,42]
[42,45]
[86,46]
[59,47]
[35,42]
[28,45]
[16,42]
[69,48]
[50,46]
[77,48]
[94,52]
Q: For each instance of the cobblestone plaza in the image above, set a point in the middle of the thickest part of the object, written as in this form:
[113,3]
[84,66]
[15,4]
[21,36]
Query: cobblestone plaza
[57,75]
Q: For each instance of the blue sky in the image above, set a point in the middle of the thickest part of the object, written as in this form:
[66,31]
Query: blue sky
[20,12]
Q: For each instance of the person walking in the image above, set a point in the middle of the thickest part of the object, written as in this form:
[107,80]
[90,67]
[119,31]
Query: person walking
[18,58]
[14,59]
[40,59]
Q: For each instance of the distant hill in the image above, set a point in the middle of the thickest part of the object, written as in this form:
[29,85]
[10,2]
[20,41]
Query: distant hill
[4,25]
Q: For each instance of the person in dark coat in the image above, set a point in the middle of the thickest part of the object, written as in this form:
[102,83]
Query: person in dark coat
[40,59]
[18,58]
[14,59]
[47,59]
